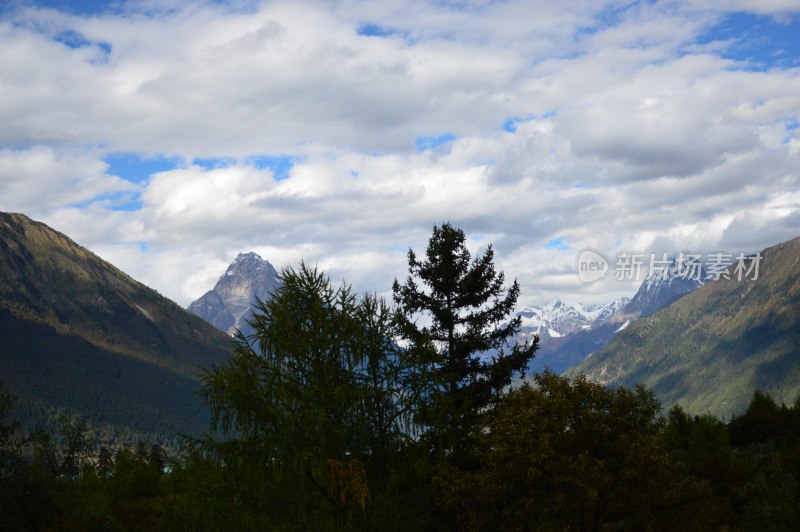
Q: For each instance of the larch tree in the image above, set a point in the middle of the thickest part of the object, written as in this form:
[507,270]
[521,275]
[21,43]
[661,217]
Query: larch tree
[311,405]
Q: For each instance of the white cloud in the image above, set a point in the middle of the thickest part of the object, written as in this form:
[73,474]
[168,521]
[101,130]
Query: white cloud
[41,179]
[630,134]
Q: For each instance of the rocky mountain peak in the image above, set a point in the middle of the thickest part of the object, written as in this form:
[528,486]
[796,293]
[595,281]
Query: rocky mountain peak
[248,259]
[227,306]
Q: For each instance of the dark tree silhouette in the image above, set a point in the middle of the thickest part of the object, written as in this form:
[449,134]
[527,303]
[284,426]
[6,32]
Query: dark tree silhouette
[454,312]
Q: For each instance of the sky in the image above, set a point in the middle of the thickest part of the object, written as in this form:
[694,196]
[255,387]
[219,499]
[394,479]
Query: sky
[167,136]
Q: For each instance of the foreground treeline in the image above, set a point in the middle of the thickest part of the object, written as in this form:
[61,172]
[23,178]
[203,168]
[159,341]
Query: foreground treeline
[554,456]
[343,413]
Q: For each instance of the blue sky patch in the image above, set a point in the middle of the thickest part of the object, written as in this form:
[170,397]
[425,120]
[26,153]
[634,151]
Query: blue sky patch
[136,168]
[118,201]
[791,127]
[125,202]
[759,40]
[559,244]
[212,163]
[281,165]
[511,122]
[73,39]
[424,143]
[510,125]
[374,30]
[607,18]
[80,7]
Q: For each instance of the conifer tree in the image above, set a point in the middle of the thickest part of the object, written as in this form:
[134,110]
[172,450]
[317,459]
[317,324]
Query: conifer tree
[454,311]
[105,462]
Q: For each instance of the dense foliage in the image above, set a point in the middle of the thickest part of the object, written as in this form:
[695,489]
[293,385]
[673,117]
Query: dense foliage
[559,455]
[315,407]
[323,420]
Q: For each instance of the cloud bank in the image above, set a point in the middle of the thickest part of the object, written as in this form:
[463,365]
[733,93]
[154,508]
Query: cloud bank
[339,133]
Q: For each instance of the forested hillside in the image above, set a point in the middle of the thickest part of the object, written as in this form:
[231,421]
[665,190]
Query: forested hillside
[711,349]
[81,338]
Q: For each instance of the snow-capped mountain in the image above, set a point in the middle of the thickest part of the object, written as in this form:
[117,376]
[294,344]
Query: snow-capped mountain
[555,319]
[664,285]
[227,306]
[568,334]
[601,314]
[558,319]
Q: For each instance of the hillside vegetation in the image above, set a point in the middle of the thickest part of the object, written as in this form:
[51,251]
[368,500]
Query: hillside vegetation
[80,337]
[712,348]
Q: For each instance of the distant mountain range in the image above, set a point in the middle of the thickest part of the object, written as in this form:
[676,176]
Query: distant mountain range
[80,337]
[709,350]
[558,319]
[568,334]
[228,305]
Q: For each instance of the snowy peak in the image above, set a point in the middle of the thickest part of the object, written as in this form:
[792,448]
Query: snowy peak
[569,334]
[251,255]
[679,268]
[557,319]
[554,319]
[600,314]
[669,279]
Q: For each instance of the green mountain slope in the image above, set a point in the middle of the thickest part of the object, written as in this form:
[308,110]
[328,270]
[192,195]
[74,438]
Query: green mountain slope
[79,336]
[712,348]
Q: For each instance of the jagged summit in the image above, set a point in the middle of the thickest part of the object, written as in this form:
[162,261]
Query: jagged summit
[557,318]
[600,314]
[250,256]
[665,284]
[227,306]
[570,333]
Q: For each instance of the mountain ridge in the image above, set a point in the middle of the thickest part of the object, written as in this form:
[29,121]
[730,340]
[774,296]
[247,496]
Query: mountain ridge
[119,346]
[593,326]
[709,350]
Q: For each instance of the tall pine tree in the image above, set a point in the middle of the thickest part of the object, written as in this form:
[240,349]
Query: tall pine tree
[454,312]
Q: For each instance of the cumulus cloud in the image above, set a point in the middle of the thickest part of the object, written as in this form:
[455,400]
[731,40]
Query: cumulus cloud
[615,127]
[40,179]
